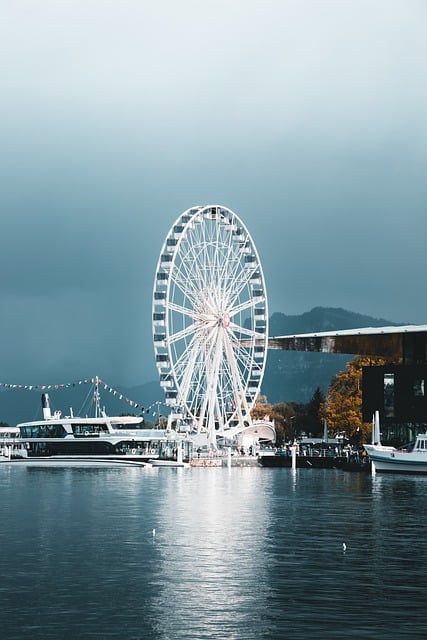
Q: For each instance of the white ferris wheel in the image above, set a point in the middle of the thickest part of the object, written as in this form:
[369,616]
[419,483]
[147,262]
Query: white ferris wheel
[210,320]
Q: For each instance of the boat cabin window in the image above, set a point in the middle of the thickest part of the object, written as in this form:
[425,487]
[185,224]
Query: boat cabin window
[148,447]
[10,434]
[89,429]
[43,431]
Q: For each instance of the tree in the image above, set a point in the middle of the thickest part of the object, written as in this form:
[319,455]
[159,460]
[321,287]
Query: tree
[311,419]
[343,405]
[261,409]
[282,414]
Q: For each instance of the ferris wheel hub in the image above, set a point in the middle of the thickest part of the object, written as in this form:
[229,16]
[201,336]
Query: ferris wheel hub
[226,320]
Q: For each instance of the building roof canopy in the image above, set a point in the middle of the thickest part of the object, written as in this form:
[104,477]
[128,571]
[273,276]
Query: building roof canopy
[402,344]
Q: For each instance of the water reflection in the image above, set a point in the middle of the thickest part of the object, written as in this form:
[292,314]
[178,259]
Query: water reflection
[212,553]
[238,553]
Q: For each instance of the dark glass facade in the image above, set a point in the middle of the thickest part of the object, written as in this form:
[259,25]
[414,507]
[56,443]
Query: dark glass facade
[398,392]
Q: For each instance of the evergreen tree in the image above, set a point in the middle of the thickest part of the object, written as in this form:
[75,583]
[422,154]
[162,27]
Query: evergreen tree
[313,415]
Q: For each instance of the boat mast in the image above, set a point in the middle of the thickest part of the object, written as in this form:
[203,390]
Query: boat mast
[376,435]
[97,399]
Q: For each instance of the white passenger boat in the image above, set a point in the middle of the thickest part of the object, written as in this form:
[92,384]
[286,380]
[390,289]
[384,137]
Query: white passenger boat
[10,444]
[411,458]
[102,440]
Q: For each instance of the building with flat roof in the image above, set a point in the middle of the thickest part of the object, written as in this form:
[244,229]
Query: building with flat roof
[397,390]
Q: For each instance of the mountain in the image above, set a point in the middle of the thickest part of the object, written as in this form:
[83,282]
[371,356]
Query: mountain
[322,319]
[289,375]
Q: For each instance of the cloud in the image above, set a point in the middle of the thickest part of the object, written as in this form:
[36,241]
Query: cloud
[307,118]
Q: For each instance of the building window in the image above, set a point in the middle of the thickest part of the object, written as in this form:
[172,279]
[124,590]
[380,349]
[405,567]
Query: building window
[418,387]
[389,395]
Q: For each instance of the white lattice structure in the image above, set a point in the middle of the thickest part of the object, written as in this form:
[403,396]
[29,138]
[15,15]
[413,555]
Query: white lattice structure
[210,320]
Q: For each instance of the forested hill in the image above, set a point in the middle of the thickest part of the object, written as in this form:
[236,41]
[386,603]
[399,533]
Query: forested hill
[294,376]
[322,319]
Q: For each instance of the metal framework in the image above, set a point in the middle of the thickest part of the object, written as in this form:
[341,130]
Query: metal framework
[210,320]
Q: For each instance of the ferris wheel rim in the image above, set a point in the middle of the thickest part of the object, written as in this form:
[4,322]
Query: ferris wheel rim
[186,267]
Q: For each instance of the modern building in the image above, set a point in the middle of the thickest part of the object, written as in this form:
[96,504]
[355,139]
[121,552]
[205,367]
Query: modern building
[397,390]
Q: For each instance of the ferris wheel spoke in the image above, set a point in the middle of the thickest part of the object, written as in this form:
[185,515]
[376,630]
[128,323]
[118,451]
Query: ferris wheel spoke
[213,365]
[186,273]
[243,280]
[234,282]
[188,371]
[243,306]
[220,384]
[236,354]
[187,364]
[189,273]
[240,330]
[187,287]
[182,311]
[184,333]
[242,353]
[236,302]
[188,354]
[192,267]
[243,359]
[239,392]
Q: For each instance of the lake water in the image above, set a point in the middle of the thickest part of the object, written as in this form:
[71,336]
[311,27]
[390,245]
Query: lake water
[238,553]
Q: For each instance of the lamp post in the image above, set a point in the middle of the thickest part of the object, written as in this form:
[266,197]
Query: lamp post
[294,431]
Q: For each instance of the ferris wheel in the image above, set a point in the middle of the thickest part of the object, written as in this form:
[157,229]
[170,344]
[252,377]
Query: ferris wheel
[210,320]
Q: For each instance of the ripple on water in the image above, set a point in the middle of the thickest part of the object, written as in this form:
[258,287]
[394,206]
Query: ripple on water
[240,553]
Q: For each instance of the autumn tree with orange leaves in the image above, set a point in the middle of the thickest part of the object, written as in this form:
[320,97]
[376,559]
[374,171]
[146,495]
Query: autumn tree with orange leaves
[342,408]
[283,415]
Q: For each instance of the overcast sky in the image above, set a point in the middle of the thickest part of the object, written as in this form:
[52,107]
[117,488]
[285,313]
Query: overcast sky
[305,117]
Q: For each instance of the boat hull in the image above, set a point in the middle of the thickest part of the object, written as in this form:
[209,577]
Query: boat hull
[390,460]
[302,462]
[75,461]
[168,463]
[386,466]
